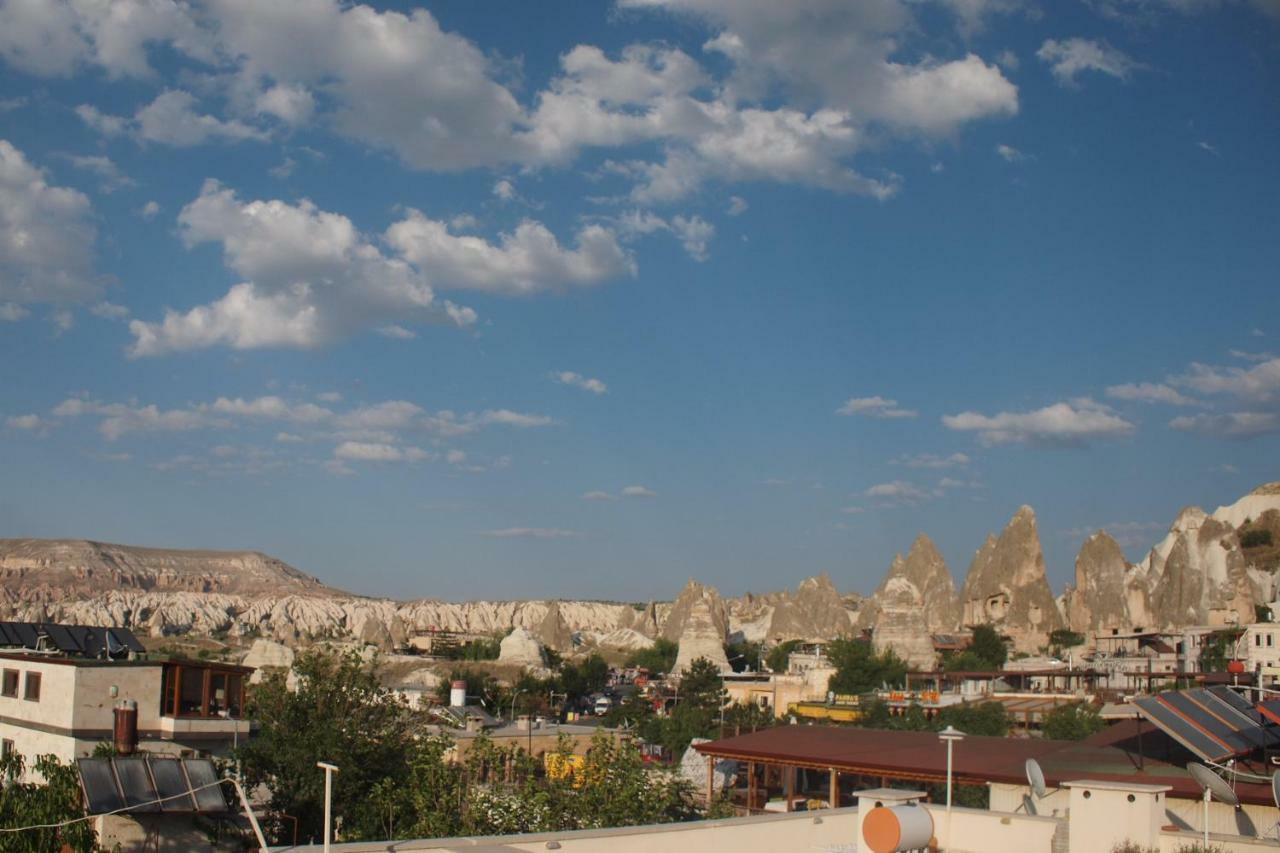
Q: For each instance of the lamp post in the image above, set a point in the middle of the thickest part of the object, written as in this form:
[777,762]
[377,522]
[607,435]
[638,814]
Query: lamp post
[515,696]
[329,770]
[950,734]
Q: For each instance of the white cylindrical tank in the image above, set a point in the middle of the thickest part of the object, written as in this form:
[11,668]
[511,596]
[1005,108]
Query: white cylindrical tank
[458,694]
[887,830]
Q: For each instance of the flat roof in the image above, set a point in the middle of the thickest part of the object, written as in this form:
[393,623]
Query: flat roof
[1111,755]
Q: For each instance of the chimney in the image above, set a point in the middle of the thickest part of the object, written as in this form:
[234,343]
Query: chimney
[126,727]
[457,694]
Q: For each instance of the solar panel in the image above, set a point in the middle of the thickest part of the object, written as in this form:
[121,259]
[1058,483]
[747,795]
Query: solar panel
[136,784]
[1178,727]
[61,638]
[101,793]
[1235,700]
[209,798]
[171,785]
[1199,707]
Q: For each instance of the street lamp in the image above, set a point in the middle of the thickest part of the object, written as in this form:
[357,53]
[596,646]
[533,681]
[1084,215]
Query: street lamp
[950,734]
[515,696]
[329,770]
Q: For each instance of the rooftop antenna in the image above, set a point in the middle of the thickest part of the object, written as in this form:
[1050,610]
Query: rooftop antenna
[1213,786]
[1035,781]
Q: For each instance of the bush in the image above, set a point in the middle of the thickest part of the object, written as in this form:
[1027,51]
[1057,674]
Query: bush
[1072,722]
[660,658]
[778,655]
[859,669]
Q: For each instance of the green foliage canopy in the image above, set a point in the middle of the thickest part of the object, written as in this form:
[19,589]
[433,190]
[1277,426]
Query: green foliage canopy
[1072,722]
[859,669]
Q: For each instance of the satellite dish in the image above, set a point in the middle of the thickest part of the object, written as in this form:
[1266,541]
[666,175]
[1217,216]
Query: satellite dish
[1214,785]
[1035,779]
[1029,805]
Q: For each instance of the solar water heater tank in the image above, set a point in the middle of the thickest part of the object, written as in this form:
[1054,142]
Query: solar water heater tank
[896,828]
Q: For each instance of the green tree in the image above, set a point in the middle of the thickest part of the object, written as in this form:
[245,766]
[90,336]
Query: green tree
[1219,647]
[778,655]
[58,799]
[744,655]
[989,646]
[1072,722]
[586,676]
[659,658]
[696,713]
[859,669]
[1063,639]
[983,718]
[338,713]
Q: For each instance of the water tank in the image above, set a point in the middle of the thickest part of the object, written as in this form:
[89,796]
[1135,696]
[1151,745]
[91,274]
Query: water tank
[125,733]
[458,694]
[887,830]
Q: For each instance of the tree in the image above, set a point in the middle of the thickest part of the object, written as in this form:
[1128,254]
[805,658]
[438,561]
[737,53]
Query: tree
[744,655]
[587,676]
[778,655]
[1218,648]
[696,712]
[31,804]
[1063,639]
[988,645]
[1072,722]
[859,669]
[660,658]
[983,718]
[338,713]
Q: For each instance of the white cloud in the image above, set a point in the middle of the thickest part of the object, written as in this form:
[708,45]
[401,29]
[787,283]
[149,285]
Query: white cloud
[109,311]
[149,210]
[1070,57]
[1243,355]
[638,492]
[531,533]
[1010,154]
[875,407]
[110,178]
[695,234]
[30,423]
[12,312]
[119,419]
[395,332]
[1008,59]
[1260,382]
[899,492]
[504,190]
[360,451]
[46,237]
[309,277]
[930,460]
[1066,424]
[270,408]
[1229,424]
[293,105]
[329,397]
[289,438]
[1150,392]
[737,205]
[172,119]
[506,417]
[577,380]
[107,125]
[598,496]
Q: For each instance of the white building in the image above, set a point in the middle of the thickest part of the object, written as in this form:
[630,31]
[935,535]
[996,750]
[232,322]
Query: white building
[60,686]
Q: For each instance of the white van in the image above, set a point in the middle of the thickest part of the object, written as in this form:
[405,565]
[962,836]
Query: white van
[603,705]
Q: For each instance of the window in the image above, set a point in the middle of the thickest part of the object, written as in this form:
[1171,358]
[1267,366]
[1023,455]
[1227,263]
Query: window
[1257,640]
[7,748]
[1270,640]
[10,685]
[31,689]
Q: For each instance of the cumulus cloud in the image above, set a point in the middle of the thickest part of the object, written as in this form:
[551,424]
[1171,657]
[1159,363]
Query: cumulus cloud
[577,380]
[172,119]
[898,492]
[638,492]
[531,533]
[875,407]
[1010,154]
[1260,382]
[598,496]
[110,178]
[526,261]
[46,238]
[930,460]
[737,205]
[309,277]
[1070,57]
[1229,424]
[1067,424]
[29,423]
[362,451]
[1150,392]
[119,419]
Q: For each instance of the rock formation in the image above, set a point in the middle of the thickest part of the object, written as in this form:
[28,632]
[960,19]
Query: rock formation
[1197,574]
[815,612]
[1099,601]
[521,647]
[265,655]
[1006,586]
[916,599]
[553,632]
[699,624]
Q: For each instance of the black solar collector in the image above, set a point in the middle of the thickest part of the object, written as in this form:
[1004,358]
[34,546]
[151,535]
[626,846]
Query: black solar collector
[150,784]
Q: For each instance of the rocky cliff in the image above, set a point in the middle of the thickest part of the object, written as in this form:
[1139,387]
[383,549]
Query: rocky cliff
[916,599]
[1006,586]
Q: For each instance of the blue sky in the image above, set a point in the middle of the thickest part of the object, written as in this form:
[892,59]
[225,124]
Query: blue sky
[521,300]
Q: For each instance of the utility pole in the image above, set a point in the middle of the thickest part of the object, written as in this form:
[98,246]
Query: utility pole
[329,770]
